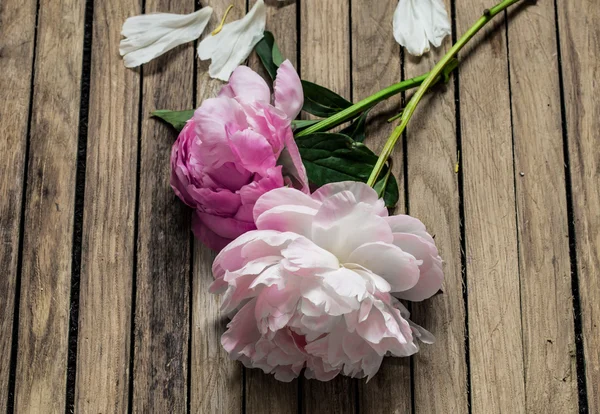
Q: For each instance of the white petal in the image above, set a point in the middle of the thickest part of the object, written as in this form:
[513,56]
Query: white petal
[150,35]
[233,44]
[420,22]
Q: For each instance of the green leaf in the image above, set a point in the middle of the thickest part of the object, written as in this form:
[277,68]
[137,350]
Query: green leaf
[321,101]
[277,57]
[300,124]
[175,118]
[337,157]
[269,54]
[356,130]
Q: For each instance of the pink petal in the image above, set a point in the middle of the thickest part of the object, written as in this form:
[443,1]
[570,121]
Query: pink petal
[283,196]
[226,227]
[247,86]
[210,120]
[431,273]
[292,218]
[303,254]
[343,224]
[362,194]
[207,236]
[252,151]
[293,167]
[346,283]
[289,96]
[402,223]
[272,179]
[398,268]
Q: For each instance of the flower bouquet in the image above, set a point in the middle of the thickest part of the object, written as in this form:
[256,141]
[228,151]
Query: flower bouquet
[312,264]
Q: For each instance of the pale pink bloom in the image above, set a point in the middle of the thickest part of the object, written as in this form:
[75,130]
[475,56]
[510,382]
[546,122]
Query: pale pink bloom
[235,148]
[317,285]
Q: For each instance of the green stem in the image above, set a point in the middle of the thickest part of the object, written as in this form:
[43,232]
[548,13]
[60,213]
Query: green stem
[427,83]
[359,107]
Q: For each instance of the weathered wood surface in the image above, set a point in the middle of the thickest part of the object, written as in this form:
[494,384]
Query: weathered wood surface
[520,335]
[492,266]
[579,29]
[544,262]
[43,325]
[17,31]
[433,196]
[107,253]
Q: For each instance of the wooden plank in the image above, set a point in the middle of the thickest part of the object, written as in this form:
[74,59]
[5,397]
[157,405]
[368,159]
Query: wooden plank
[263,392]
[434,199]
[216,381]
[544,262]
[164,252]
[16,46]
[579,28]
[46,273]
[107,262]
[495,338]
[325,59]
[376,65]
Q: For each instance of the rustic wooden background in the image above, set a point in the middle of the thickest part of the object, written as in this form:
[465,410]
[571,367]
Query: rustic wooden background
[103,294]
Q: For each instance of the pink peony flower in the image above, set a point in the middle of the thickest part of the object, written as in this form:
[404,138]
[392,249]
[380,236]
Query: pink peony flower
[317,285]
[235,148]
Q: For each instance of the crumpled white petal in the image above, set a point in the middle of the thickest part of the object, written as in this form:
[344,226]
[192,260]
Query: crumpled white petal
[233,44]
[150,35]
[420,22]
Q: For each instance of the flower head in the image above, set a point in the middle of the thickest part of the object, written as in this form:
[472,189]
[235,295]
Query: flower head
[316,285]
[235,148]
[420,22]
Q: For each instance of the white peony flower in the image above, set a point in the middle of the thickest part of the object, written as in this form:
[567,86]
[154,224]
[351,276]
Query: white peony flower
[417,23]
[316,286]
[150,35]
[228,48]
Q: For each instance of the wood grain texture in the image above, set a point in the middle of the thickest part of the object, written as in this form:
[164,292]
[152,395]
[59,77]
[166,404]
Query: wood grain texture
[546,297]
[17,28]
[433,197]
[376,65]
[46,274]
[216,381]
[495,337]
[164,251]
[263,392]
[107,262]
[579,27]
[325,60]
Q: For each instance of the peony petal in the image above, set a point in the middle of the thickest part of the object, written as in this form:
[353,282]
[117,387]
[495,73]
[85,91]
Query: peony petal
[247,87]
[362,194]
[226,227]
[293,167]
[303,254]
[431,273]
[347,283]
[289,96]
[293,218]
[343,224]
[398,268]
[253,152]
[208,237]
[150,35]
[420,22]
[283,196]
[402,223]
[213,120]
[233,44]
